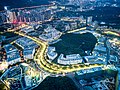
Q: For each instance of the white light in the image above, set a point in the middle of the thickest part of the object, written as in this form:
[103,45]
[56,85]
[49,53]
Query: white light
[5,7]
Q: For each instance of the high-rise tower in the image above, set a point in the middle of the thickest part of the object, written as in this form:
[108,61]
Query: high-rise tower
[10,15]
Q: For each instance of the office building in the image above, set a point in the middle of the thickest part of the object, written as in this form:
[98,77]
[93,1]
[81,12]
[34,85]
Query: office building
[70,59]
[12,53]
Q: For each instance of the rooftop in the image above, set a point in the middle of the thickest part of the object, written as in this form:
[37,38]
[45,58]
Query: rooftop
[28,51]
[9,48]
[12,56]
[81,72]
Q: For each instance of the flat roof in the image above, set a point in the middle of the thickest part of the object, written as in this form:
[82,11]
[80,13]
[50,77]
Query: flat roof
[88,70]
[52,54]
[9,48]
[28,51]
[26,42]
[100,48]
[12,56]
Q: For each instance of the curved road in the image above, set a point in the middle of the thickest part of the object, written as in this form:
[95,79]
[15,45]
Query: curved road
[40,58]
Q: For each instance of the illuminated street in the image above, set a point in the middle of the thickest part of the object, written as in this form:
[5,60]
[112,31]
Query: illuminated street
[52,67]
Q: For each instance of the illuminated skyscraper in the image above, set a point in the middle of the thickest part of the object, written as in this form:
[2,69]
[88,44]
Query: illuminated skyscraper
[10,15]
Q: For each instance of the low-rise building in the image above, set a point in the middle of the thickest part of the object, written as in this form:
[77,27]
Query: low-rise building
[100,48]
[26,43]
[28,47]
[27,29]
[81,72]
[12,53]
[9,48]
[29,53]
[51,49]
[51,54]
[50,34]
[70,59]
[95,59]
[13,58]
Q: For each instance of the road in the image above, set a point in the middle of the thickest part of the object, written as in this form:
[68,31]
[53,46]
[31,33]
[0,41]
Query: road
[76,30]
[50,66]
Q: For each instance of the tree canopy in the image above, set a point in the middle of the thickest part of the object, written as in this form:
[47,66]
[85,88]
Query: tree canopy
[57,83]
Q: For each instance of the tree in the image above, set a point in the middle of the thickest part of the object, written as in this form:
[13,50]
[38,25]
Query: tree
[57,83]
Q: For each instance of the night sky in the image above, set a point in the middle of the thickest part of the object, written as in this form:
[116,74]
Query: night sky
[21,3]
[27,3]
